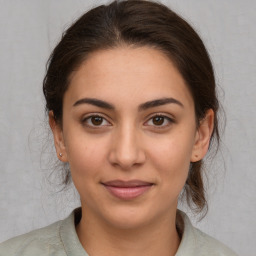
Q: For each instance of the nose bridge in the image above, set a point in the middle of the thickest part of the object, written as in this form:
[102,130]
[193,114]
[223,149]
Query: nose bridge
[126,148]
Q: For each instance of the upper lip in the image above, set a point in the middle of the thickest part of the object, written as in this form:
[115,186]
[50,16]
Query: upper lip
[127,184]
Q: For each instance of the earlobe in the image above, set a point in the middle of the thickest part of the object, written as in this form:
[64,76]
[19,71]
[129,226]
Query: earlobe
[203,136]
[58,138]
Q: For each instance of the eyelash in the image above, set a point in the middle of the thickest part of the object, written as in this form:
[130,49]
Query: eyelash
[166,118]
[85,121]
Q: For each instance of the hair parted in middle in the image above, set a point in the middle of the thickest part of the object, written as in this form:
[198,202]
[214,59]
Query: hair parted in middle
[137,23]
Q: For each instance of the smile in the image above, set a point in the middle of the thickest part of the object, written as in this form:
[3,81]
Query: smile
[127,190]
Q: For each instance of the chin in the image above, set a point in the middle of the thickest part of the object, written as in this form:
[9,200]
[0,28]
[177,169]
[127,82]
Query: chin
[127,217]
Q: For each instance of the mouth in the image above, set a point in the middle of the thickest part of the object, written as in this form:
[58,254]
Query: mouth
[127,190]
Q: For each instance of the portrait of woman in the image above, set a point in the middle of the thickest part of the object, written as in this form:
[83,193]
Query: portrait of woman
[132,103]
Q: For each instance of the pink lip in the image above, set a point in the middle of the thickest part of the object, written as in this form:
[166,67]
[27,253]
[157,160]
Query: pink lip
[127,190]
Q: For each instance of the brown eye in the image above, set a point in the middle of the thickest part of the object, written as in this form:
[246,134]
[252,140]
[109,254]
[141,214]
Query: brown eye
[158,120]
[96,120]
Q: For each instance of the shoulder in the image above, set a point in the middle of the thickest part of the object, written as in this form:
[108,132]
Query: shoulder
[40,242]
[210,246]
[196,242]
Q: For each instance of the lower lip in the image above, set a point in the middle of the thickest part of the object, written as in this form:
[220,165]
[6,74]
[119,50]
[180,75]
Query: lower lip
[127,193]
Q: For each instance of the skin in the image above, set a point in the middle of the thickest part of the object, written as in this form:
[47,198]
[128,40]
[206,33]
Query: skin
[126,144]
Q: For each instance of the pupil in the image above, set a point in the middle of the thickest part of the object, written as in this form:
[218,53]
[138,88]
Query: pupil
[96,120]
[158,120]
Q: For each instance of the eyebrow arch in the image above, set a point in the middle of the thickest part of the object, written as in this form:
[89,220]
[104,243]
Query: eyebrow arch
[144,106]
[95,102]
[159,102]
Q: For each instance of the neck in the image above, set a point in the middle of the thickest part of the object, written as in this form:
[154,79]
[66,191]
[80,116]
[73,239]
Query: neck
[157,238]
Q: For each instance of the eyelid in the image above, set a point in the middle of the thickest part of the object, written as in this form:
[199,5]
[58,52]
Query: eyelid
[171,120]
[88,116]
[167,117]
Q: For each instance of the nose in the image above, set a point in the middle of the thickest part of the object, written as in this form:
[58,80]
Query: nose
[126,150]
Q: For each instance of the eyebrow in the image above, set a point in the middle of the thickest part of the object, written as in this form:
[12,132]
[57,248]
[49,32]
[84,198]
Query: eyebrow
[143,106]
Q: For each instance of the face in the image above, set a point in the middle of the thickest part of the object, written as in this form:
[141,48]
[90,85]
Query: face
[129,134]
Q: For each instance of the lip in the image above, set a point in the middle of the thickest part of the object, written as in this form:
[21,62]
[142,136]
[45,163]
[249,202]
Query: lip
[127,190]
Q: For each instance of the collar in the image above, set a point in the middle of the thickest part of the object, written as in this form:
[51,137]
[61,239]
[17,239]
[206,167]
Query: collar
[73,246]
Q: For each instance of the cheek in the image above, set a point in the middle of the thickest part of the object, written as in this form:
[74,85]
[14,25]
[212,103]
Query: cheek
[85,157]
[86,161]
[171,158]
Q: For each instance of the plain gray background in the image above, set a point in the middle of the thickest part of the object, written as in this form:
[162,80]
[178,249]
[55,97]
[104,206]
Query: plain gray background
[29,31]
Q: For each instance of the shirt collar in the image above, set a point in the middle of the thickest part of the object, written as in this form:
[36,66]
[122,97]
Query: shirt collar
[73,246]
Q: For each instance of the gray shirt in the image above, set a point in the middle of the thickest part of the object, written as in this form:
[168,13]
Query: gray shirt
[60,239]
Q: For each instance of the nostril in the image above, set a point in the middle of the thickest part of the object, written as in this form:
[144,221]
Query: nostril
[125,159]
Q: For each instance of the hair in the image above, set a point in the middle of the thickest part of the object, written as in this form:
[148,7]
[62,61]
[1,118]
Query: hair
[138,23]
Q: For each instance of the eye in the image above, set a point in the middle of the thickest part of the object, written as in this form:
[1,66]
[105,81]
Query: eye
[95,121]
[160,121]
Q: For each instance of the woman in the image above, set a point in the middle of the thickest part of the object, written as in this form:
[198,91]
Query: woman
[130,94]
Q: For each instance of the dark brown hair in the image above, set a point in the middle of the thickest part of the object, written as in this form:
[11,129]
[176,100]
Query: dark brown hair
[138,23]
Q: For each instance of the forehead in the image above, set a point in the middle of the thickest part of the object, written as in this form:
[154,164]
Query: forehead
[124,74]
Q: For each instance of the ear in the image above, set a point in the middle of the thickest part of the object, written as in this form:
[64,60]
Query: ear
[58,138]
[203,136]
